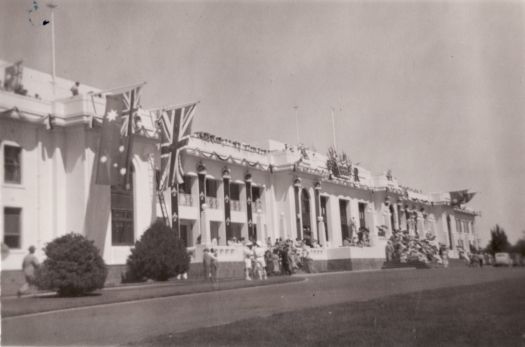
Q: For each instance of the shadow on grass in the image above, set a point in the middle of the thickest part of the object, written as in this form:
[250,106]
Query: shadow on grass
[57,296]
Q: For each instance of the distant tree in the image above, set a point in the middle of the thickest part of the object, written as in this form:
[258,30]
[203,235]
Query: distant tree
[498,240]
[519,247]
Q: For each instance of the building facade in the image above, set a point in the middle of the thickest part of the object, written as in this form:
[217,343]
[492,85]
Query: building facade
[230,190]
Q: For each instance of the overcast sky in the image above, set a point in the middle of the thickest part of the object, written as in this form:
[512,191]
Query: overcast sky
[432,90]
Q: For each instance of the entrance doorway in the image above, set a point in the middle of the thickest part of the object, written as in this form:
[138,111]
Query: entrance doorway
[214,232]
[345,229]
[186,232]
[235,231]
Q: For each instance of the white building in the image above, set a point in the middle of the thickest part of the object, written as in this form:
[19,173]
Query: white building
[282,191]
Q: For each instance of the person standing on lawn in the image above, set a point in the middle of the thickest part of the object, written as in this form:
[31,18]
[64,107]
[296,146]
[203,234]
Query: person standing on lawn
[260,262]
[214,264]
[248,257]
[29,266]
[206,262]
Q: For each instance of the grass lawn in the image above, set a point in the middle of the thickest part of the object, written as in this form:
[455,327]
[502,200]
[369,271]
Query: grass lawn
[489,314]
[33,304]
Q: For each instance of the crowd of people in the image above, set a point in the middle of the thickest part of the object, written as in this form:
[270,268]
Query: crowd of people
[284,257]
[404,248]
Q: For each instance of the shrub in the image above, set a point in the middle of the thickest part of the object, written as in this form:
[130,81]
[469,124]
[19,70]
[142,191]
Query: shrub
[73,266]
[158,255]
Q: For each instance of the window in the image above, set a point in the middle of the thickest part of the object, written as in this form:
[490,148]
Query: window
[256,193]
[211,188]
[12,164]
[235,191]
[185,187]
[122,225]
[12,223]
[345,230]
[362,220]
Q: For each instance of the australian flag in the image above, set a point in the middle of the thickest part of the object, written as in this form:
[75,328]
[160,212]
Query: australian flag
[115,146]
[175,131]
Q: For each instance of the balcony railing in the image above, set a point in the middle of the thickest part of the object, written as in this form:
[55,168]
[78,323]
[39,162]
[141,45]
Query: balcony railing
[185,200]
[212,202]
[235,205]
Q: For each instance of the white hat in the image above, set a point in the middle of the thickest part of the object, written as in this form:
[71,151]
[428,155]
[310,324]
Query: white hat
[259,243]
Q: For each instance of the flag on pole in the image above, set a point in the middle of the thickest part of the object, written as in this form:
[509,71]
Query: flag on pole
[468,197]
[460,197]
[456,197]
[115,146]
[175,131]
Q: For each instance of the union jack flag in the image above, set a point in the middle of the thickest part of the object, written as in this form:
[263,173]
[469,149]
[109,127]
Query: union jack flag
[175,131]
[115,145]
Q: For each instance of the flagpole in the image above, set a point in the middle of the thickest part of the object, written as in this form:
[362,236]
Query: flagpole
[333,128]
[106,91]
[172,106]
[297,124]
[52,6]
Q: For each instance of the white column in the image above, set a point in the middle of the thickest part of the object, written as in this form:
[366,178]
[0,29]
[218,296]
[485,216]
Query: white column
[320,228]
[387,220]
[454,232]
[282,227]
[420,224]
[403,222]
[371,223]
[334,222]
[396,217]
[432,224]
[260,230]
[205,227]
[313,219]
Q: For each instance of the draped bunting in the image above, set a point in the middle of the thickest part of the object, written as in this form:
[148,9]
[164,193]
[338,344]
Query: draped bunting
[230,159]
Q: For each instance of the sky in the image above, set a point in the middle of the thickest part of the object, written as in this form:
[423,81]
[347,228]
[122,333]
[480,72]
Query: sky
[433,90]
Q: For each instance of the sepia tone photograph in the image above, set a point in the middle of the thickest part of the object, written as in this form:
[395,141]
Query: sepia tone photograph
[262,173]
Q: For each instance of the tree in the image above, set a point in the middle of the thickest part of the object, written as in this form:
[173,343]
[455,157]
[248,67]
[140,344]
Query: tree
[519,247]
[158,255]
[498,240]
[73,266]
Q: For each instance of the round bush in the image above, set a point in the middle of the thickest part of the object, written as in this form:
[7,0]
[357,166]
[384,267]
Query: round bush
[158,255]
[73,266]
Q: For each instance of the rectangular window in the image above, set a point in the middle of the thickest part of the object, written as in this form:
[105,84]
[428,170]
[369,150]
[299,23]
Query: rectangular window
[122,223]
[211,188]
[362,220]
[235,191]
[458,226]
[256,193]
[12,226]
[12,164]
